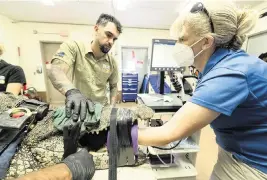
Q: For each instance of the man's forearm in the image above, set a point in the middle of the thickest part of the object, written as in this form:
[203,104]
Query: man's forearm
[57,172]
[113,100]
[57,75]
[113,94]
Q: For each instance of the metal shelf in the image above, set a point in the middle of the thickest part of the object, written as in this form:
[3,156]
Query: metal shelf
[185,157]
[130,173]
[186,146]
[183,170]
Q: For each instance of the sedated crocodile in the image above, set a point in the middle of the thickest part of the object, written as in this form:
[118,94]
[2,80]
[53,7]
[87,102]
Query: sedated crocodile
[43,145]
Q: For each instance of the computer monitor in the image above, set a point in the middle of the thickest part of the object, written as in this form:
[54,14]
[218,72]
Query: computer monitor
[161,58]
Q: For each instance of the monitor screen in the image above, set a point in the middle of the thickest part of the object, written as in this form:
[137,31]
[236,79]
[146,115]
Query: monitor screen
[162,59]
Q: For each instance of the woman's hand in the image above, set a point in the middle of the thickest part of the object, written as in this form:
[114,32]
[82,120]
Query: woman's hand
[186,121]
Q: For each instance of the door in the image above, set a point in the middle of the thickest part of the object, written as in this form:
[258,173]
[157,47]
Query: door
[53,96]
[135,59]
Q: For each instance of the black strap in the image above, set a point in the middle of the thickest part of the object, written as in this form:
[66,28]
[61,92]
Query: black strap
[113,145]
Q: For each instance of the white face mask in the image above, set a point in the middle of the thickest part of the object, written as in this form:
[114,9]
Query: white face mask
[184,54]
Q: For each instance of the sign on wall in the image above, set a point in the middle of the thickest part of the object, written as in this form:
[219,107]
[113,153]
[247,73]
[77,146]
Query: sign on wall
[135,59]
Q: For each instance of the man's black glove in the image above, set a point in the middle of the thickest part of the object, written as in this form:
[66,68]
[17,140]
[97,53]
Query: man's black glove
[79,103]
[70,138]
[81,165]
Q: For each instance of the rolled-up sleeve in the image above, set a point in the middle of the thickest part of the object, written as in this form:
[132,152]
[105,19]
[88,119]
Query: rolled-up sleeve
[113,79]
[66,53]
[16,75]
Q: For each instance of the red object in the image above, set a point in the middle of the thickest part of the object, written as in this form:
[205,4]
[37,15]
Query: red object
[24,87]
[64,33]
[18,114]
[133,54]
[137,61]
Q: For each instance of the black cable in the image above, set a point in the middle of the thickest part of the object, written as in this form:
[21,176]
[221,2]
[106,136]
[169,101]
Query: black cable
[170,148]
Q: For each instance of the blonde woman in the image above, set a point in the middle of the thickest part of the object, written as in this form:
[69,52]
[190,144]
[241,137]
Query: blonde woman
[12,78]
[231,94]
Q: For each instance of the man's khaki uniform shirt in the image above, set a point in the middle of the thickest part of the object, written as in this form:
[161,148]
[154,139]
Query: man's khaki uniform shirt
[88,74]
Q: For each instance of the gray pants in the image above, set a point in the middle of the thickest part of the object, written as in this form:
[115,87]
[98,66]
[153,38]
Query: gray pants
[228,168]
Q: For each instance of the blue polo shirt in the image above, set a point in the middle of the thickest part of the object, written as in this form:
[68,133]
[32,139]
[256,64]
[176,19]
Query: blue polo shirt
[234,84]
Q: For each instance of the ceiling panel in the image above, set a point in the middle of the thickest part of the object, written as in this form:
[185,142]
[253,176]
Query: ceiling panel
[82,12]
[139,13]
[152,14]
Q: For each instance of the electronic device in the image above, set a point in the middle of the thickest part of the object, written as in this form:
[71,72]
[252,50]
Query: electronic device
[156,122]
[159,159]
[39,108]
[161,58]
[17,118]
[14,118]
[15,121]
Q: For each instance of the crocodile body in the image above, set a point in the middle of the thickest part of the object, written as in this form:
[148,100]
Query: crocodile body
[43,145]
[8,101]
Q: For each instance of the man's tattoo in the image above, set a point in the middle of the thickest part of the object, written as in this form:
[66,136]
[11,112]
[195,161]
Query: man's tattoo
[113,92]
[58,76]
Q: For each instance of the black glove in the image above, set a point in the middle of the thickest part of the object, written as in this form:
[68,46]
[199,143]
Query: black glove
[81,165]
[79,103]
[70,138]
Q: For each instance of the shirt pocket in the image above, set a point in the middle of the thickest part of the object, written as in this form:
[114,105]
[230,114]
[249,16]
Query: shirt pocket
[102,74]
[102,78]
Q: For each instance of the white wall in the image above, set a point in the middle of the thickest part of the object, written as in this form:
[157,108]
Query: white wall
[31,56]
[262,7]
[9,37]
[261,24]
[30,44]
